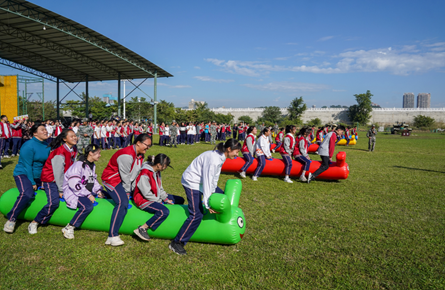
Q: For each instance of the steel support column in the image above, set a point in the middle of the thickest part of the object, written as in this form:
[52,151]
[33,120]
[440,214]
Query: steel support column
[86,96]
[155,101]
[58,99]
[119,94]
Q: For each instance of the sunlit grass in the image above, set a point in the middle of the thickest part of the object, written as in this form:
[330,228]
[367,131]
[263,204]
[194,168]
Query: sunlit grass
[383,227]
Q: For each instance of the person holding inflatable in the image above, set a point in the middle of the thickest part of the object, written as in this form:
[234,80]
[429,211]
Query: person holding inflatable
[248,149]
[301,152]
[80,186]
[33,156]
[149,194]
[118,178]
[262,151]
[200,179]
[287,150]
[326,150]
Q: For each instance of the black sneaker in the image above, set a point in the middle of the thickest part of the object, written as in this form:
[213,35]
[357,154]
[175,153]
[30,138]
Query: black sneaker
[177,247]
[142,233]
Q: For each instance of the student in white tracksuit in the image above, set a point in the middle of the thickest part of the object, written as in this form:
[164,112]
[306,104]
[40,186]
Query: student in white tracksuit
[201,179]
[262,152]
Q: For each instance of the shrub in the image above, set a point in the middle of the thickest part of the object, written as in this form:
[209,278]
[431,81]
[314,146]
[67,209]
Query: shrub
[421,121]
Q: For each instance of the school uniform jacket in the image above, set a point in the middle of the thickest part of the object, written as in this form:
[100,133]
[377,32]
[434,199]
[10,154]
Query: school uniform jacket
[249,144]
[5,130]
[203,173]
[301,148]
[16,130]
[288,145]
[262,146]
[279,137]
[327,147]
[58,162]
[148,188]
[123,167]
[73,187]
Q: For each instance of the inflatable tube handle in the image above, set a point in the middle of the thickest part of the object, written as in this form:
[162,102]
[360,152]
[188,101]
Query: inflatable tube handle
[221,204]
[233,191]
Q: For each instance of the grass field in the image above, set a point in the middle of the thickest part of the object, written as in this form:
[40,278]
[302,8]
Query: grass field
[382,228]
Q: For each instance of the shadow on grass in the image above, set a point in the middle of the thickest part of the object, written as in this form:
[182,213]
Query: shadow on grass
[7,163]
[356,149]
[420,169]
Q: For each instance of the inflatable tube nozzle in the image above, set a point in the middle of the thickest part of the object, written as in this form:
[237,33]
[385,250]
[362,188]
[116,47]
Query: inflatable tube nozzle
[341,158]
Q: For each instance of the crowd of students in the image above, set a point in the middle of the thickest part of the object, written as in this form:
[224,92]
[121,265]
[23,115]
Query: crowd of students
[49,160]
[56,168]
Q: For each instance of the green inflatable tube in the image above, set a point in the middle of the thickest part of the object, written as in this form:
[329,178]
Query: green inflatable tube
[226,227]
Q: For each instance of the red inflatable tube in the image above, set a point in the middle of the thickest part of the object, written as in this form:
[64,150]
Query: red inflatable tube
[337,170]
[312,148]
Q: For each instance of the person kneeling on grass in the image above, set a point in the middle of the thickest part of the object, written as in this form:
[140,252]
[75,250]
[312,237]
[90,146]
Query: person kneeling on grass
[149,195]
[80,185]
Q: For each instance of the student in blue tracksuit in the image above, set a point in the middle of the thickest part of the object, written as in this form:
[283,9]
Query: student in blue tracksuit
[33,155]
[201,179]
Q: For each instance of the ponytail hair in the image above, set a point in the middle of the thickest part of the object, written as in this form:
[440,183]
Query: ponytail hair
[58,141]
[289,128]
[266,129]
[161,158]
[93,148]
[231,143]
[302,131]
[250,129]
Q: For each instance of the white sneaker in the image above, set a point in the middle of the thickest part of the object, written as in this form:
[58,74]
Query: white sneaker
[254,178]
[287,179]
[114,241]
[303,178]
[9,227]
[6,156]
[12,155]
[242,174]
[32,228]
[273,150]
[68,231]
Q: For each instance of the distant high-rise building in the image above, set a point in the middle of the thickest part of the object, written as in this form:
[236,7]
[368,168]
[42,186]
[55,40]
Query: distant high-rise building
[193,103]
[424,100]
[408,100]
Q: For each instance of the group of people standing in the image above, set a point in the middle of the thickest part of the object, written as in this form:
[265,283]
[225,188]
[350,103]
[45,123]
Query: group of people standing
[191,133]
[55,168]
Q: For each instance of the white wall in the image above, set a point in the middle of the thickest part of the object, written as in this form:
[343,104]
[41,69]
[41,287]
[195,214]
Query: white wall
[327,115]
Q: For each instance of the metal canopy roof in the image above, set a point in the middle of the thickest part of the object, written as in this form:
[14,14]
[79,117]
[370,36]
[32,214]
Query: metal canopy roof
[49,45]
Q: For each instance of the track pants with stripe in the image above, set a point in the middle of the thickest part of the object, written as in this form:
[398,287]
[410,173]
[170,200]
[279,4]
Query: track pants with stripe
[160,211]
[26,195]
[52,194]
[196,213]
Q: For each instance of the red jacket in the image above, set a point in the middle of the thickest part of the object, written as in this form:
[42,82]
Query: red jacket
[111,175]
[138,198]
[279,136]
[297,151]
[16,132]
[68,156]
[249,138]
[291,145]
[5,128]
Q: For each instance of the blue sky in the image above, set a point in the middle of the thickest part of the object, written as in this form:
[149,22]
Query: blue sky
[261,53]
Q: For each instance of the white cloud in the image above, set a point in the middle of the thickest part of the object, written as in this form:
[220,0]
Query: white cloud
[326,38]
[288,87]
[174,86]
[404,61]
[209,79]
[292,43]
[197,67]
